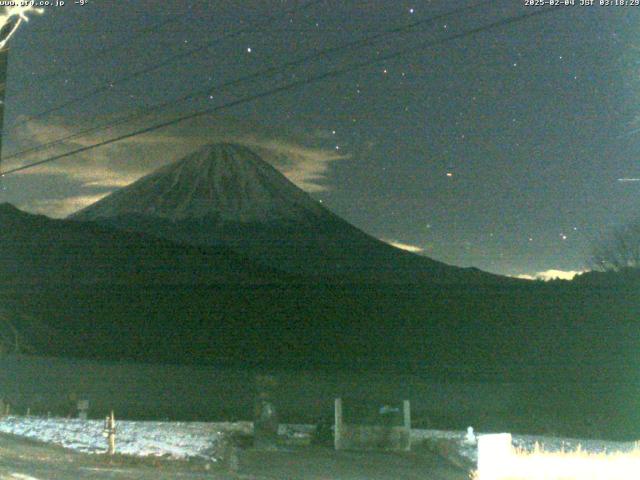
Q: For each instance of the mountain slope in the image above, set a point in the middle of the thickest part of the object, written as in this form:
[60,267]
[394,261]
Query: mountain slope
[36,250]
[224,194]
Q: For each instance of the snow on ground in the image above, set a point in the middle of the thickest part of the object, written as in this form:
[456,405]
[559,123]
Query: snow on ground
[525,442]
[172,439]
[199,439]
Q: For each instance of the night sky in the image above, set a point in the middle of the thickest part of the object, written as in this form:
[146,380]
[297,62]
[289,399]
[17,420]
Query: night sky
[509,150]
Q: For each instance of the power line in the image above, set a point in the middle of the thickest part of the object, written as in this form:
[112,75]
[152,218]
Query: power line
[291,86]
[157,66]
[260,74]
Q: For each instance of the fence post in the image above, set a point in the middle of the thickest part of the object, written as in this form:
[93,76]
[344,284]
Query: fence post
[406,410]
[83,409]
[265,422]
[110,433]
[337,435]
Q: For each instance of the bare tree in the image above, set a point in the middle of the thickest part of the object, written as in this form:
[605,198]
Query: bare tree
[618,251]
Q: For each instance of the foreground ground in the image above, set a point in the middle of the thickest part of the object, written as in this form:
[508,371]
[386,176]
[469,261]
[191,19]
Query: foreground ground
[24,459]
[41,448]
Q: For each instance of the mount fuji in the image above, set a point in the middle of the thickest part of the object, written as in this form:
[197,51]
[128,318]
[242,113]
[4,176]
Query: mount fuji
[224,183]
[226,195]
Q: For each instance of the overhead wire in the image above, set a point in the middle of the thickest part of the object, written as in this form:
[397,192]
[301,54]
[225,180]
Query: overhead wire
[362,42]
[291,86]
[158,65]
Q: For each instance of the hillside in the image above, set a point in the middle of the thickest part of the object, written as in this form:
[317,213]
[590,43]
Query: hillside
[36,250]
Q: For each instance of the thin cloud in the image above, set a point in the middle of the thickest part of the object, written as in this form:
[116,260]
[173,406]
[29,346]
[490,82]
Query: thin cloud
[404,246]
[62,207]
[113,166]
[306,167]
[551,274]
[524,276]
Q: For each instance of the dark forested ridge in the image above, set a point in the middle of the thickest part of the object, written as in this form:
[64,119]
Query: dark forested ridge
[82,290]
[114,294]
[36,250]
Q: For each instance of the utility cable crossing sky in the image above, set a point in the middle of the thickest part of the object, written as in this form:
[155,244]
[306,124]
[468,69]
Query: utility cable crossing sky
[10,21]
[287,87]
[203,47]
[261,74]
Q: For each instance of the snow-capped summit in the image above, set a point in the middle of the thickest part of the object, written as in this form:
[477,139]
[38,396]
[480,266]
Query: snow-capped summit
[223,181]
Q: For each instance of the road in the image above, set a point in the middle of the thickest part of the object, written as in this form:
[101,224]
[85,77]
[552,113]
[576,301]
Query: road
[22,459]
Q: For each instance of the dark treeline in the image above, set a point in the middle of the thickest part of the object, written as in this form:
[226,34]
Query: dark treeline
[484,330]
